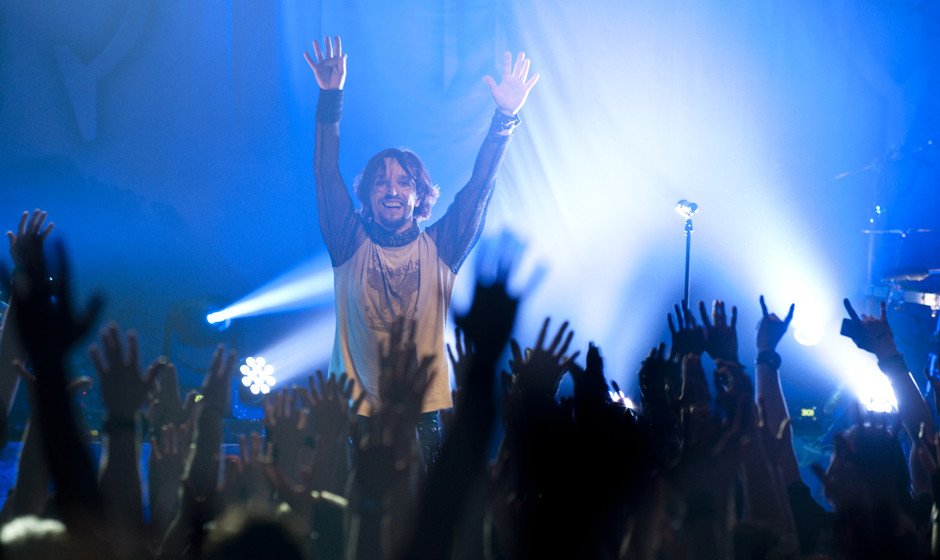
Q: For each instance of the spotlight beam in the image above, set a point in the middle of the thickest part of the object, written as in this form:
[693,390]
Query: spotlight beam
[298,289]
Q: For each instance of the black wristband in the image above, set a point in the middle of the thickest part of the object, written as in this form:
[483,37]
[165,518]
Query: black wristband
[503,122]
[330,106]
[893,364]
[768,358]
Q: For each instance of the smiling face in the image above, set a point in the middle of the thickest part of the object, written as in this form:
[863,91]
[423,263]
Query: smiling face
[393,197]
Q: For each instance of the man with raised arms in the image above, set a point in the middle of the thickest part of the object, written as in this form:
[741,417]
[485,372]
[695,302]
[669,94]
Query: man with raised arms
[385,268]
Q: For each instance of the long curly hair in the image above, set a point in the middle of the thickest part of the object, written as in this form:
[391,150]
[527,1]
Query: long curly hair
[426,191]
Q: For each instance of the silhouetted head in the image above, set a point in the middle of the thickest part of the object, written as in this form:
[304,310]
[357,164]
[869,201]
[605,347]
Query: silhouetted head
[867,467]
[246,535]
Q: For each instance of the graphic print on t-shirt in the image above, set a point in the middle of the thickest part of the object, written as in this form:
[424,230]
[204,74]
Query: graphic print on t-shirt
[391,291]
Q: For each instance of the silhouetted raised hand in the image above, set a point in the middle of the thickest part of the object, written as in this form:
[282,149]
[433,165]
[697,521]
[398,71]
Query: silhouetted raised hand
[288,427]
[460,362]
[207,436]
[49,324]
[33,229]
[166,408]
[331,417]
[687,336]
[49,328]
[123,391]
[404,378]
[590,385]
[168,455]
[246,478]
[695,390]
[380,502]
[771,329]
[872,333]
[660,379]
[721,339]
[122,387]
[538,372]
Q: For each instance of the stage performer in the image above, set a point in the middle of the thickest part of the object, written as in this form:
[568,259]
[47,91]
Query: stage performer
[385,267]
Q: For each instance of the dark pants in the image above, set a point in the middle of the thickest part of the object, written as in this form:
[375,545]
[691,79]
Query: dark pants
[429,431]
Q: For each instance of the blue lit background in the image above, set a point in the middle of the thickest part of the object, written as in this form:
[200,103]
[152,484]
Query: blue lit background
[171,142]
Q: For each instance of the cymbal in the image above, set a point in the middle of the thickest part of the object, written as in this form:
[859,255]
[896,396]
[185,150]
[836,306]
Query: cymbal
[908,273]
[901,232]
[899,297]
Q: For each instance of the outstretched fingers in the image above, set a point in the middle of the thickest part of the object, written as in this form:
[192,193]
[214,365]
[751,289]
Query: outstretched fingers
[337,46]
[703,311]
[507,65]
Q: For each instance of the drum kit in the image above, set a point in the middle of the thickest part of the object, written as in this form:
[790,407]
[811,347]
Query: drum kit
[909,290]
[904,262]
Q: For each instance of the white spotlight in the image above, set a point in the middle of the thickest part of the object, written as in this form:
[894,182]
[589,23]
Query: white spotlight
[809,321]
[218,317]
[876,394]
[808,333]
[257,375]
[306,286]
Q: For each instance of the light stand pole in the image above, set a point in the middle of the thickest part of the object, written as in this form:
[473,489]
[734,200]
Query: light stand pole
[687,209]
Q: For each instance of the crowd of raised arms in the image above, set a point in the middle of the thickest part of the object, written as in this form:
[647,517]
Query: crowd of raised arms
[704,468]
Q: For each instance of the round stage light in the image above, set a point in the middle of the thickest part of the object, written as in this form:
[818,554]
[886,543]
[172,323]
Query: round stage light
[258,375]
